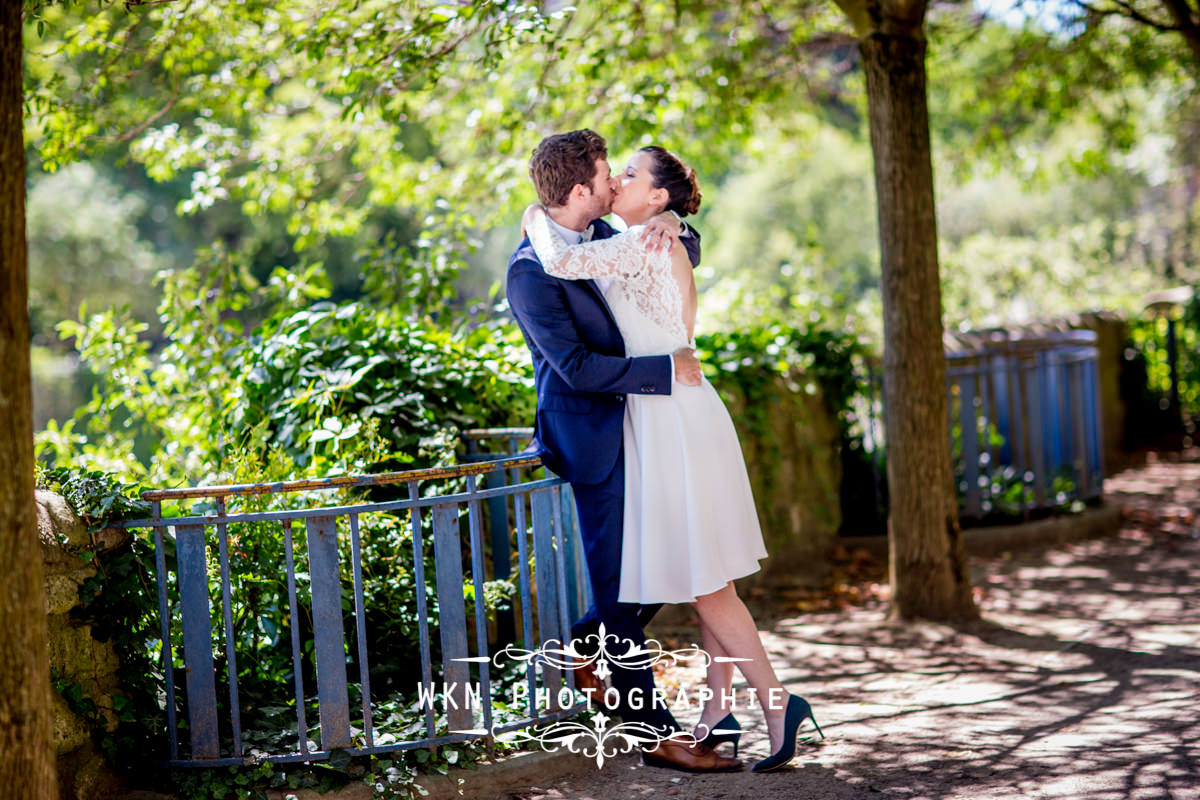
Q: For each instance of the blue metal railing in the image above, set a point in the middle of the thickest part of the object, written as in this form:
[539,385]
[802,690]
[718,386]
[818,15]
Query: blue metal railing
[535,513]
[1023,416]
[1025,422]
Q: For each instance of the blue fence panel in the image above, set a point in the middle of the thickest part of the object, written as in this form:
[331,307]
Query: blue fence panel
[1024,417]
[317,607]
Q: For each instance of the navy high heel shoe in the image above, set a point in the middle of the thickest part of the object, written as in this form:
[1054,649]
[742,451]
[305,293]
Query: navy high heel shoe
[797,711]
[731,731]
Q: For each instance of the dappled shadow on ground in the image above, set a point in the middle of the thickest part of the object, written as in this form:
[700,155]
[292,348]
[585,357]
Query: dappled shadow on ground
[1082,681]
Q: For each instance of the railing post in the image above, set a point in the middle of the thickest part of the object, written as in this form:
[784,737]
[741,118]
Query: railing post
[294,624]
[1096,421]
[197,640]
[1080,440]
[329,636]
[422,603]
[230,639]
[1018,426]
[526,598]
[1037,433]
[452,616]
[360,627]
[506,626]
[474,523]
[547,582]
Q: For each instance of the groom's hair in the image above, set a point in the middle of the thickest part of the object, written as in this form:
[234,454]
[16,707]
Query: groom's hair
[563,160]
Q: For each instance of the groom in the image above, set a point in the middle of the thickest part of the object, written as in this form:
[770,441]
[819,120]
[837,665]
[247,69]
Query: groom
[582,377]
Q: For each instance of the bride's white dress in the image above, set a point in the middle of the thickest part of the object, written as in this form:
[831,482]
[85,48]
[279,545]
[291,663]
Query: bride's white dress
[690,523]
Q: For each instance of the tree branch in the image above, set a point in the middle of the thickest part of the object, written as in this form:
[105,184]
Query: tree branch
[1185,18]
[146,123]
[129,4]
[1125,9]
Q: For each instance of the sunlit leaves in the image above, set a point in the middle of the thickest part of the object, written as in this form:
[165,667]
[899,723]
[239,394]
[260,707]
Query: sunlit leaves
[993,86]
[322,113]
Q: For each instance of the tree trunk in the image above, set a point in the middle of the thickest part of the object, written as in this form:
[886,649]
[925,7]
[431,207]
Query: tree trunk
[27,765]
[928,563]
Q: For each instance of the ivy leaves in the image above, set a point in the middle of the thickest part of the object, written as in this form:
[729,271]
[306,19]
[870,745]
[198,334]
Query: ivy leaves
[98,498]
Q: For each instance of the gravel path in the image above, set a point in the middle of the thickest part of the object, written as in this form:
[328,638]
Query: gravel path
[1083,680]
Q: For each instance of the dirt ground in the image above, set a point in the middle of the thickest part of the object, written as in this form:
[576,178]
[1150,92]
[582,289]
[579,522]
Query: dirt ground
[1082,681]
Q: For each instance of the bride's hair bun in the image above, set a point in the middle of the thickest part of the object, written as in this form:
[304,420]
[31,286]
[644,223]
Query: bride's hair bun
[668,172]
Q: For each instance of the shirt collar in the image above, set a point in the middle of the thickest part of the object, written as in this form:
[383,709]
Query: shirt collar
[569,236]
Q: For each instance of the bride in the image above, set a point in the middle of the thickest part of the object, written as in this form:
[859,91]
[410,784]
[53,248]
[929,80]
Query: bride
[690,526]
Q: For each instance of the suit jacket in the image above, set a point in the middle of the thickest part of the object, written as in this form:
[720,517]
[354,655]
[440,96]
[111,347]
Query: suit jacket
[580,369]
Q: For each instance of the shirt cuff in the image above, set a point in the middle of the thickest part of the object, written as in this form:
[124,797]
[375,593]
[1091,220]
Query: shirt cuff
[671,359]
[685,230]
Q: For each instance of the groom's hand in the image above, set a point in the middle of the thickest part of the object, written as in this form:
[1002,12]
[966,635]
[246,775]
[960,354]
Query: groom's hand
[662,231]
[687,367]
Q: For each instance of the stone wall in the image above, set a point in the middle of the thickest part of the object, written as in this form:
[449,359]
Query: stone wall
[1111,335]
[75,657]
[792,454]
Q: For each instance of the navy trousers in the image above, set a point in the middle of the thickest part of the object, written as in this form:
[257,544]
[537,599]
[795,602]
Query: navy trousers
[601,509]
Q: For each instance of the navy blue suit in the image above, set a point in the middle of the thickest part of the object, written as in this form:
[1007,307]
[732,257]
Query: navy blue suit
[582,377]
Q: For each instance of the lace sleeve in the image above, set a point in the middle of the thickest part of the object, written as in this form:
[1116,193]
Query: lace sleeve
[642,275]
[621,257]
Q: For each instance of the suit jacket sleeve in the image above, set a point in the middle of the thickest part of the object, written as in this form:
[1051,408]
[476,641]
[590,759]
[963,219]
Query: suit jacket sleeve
[692,245]
[538,303]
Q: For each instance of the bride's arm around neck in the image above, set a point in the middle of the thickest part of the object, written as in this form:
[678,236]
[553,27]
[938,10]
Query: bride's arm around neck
[622,257]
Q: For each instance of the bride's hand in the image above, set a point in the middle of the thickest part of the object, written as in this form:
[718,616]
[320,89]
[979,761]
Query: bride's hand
[527,217]
[662,232]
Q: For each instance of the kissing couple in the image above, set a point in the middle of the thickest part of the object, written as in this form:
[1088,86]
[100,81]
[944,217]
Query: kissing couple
[625,415]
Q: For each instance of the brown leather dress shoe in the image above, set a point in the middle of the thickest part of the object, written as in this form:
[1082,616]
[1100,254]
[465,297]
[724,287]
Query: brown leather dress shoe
[689,758]
[587,680]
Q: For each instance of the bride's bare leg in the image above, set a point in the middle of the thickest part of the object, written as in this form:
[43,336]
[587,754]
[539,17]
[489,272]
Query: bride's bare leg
[730,623]
[719,680]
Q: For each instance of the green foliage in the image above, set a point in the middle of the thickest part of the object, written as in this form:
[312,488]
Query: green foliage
[84,246]
[312,388]
[995,87]
[992,280]
[827,361]
[791,235]
[278,108]
[318,376]
[811,359]
[1149,340]
[97,498]
[82,706]
[432,109]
